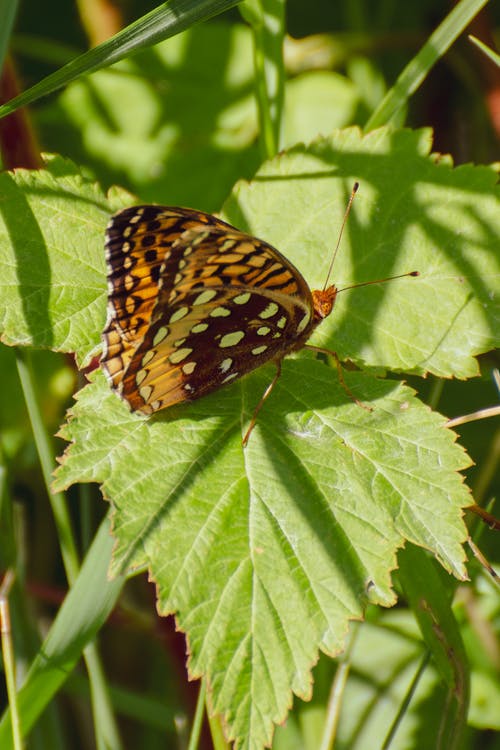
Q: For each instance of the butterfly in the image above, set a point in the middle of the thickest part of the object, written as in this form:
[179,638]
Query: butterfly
[194,304]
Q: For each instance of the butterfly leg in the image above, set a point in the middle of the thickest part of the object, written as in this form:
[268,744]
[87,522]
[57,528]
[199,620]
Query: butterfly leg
[259,406]
[340,374]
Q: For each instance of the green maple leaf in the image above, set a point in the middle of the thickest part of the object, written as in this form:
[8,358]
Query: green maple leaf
[265,554]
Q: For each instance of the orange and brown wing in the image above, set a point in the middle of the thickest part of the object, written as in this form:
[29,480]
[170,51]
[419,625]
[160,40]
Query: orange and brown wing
[215,337]
[219,305]
[138,239]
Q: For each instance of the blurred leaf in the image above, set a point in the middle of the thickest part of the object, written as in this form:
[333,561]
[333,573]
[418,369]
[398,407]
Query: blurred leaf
[182,154]
[316,103]
[485,701]
[83,612]
[144,106]
[432,221]
[415,73]
[164,21]
[384,661]
[480,618]
[7,547]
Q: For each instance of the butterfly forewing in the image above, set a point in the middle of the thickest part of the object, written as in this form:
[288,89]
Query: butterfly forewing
[194,304]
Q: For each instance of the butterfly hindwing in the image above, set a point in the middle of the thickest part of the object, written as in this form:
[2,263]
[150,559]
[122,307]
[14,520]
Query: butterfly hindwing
[212,344]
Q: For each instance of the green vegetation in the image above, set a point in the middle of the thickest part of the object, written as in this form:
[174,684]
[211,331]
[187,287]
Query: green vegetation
[321,577]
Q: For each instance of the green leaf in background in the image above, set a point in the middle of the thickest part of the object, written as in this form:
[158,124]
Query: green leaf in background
[413,211]
[385,656]
[482,650]
[430,600]
[183,154]
[317,102]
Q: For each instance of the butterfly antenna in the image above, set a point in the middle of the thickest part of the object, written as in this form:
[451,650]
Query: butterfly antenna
[344,220]
[379,281]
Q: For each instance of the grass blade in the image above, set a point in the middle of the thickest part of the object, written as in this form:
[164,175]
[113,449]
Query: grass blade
[416,70]
[161,23]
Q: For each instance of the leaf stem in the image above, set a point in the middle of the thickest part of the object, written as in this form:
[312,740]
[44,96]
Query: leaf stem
[491,411]
[267,20]
[336,694]
[199,713]
[218,739]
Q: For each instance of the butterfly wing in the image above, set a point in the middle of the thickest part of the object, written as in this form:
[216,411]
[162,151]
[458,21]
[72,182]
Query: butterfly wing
[212,344]
[223,304]
[138,239]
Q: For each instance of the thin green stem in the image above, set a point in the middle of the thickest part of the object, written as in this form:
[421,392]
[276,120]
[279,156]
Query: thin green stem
[85,501]
[437,386]
[44,448]
[268,135]
[336,694]
[407,700]
[199,713]
[334,706]
[493,56]
[106,732]
[8,11]
[267,20]
[215,723]
[487,470]
[9,662]
[85,497]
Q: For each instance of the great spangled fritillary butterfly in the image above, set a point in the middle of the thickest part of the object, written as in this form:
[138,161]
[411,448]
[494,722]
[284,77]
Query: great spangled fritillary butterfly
[194,303]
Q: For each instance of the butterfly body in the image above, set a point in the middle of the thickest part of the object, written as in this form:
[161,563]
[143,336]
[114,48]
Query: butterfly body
[195,304]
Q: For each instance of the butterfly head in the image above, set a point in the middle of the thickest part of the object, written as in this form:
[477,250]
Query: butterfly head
[323,302]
